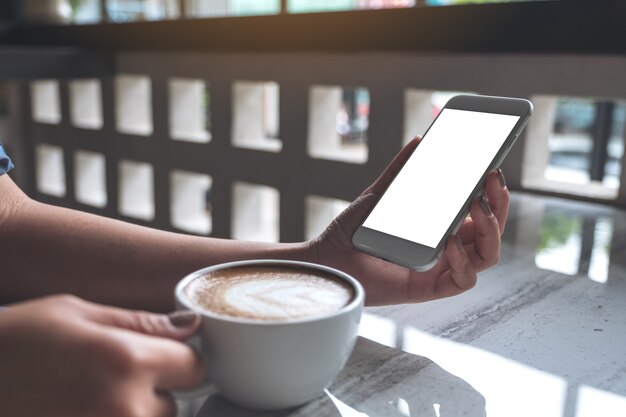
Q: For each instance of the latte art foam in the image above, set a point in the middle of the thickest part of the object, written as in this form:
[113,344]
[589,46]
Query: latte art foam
[269,293]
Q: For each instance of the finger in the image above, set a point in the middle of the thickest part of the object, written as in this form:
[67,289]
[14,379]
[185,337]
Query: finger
[383,181]
[140,398]
[172,364]
[179,325]
[498,196]
[485,252]
[467,231]
[164,405]
[461,275]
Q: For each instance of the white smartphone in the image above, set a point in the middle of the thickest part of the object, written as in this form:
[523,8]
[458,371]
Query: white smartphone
[430,196]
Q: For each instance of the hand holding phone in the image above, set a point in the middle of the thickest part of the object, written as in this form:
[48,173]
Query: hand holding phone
[431,195]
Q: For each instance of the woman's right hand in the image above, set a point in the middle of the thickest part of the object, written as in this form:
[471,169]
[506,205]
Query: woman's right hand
[62,356]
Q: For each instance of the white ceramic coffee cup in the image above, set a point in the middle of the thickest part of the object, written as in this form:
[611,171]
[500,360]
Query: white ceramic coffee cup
[275,365]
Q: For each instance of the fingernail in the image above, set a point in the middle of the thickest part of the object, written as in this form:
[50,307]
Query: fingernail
[459,243]
[484,204]
[501,178]
[183,318]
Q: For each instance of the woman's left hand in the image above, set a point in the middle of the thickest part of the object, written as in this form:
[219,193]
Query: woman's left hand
[475,248]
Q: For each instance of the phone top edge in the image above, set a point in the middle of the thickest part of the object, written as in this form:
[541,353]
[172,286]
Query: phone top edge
[491,104]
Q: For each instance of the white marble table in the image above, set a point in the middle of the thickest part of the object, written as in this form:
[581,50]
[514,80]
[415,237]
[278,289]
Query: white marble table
[542,334]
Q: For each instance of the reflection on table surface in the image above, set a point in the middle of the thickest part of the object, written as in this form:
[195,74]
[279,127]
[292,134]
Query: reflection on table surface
[377,381]
[542,334]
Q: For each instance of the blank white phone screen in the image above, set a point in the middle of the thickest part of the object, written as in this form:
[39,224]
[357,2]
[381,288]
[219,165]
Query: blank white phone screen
[431,188]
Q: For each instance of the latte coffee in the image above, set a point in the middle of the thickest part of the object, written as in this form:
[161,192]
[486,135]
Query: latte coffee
[269,293]
[274,333]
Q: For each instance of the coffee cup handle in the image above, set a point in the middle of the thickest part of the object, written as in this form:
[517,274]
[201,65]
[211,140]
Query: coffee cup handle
[206,387]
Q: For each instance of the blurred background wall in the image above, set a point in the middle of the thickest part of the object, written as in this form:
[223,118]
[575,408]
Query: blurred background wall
[261,120]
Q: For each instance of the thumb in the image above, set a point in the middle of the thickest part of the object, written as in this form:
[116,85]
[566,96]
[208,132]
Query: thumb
[390,172]
[178,325]
[349,220]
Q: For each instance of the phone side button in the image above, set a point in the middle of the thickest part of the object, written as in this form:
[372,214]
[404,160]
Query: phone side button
[456,229]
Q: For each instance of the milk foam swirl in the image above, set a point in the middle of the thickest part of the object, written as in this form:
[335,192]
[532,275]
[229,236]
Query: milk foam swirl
[269,293]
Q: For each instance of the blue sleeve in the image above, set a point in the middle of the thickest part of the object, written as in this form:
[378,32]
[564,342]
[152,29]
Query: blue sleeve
[5,162]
